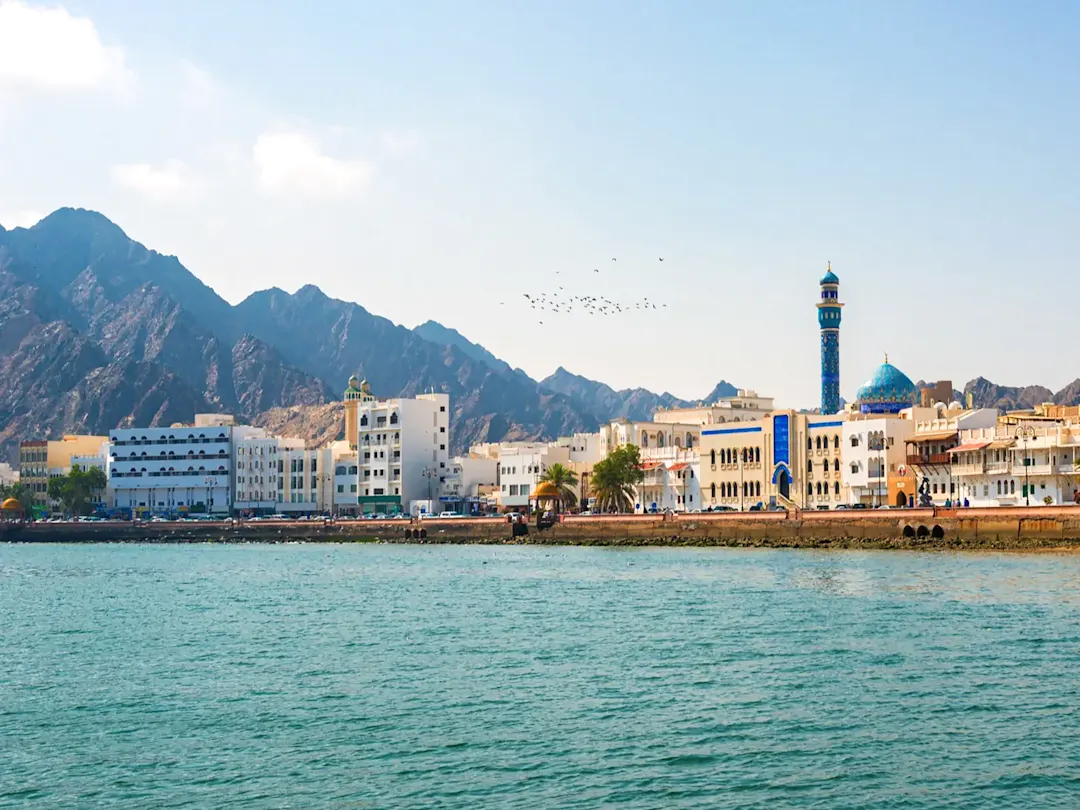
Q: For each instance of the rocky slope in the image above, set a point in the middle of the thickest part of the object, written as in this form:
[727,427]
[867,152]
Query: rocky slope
[631,403]
[96,330]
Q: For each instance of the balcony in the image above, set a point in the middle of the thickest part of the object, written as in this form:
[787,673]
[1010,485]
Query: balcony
[997,467]
[929,458]
[970,469]
[1018,470]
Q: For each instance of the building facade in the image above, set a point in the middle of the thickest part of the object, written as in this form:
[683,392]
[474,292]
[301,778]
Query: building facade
[402,449]
[934,437]
[874,459]
[787,459]
[173,470]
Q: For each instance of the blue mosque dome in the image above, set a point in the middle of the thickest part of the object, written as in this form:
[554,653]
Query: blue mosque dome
[830,277]
[888,391]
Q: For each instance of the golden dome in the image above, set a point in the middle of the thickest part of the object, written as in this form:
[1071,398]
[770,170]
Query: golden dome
[546,489]
[11,505]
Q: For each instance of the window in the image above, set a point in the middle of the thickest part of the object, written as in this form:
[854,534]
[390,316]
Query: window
[712,490]
[352,487]
[836,488]
[712,457]
[818,442]
[809,443]
[442,429]
[825,465]
[854,441]
[340,487]
[810,489]
[644,439]
[836,465]
[442,446]
[809,466]
[836,442]
[442,409]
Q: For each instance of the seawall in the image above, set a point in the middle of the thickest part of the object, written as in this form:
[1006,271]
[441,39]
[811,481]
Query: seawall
[971,529]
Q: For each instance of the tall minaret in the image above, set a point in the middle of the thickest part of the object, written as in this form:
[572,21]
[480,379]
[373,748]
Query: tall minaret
[828,315]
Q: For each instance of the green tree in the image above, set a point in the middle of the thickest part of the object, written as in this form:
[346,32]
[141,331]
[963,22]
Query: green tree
[615,477]
[564,480]
[77,491]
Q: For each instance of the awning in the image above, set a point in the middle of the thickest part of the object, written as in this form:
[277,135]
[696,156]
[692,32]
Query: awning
[1001,444]
[937,436]
[650,465]
[967,448]
[682,465]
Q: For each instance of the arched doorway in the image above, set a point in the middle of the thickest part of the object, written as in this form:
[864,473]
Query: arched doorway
[783,484]
[901,500]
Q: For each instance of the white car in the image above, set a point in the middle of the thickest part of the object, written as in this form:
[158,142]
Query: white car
[449,515]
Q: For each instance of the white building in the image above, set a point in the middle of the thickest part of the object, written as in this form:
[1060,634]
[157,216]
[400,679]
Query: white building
[649,435]
[172,470]
[8,475]
[1019,462]
[935,434]
[874,458]
[257,461]
[520,467]
[402,450]
[466,478]
[672,481]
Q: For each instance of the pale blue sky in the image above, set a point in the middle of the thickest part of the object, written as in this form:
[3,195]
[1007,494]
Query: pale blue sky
[429,160]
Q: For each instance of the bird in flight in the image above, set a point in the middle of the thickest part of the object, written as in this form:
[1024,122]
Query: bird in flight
[661,258]
[613,258]
[597,271]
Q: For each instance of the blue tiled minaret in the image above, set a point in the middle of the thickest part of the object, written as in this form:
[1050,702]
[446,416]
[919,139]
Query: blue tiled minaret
[828,315]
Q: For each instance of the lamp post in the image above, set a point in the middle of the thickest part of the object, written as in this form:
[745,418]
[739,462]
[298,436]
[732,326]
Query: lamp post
[209,492]
[429,473]
[1025,432]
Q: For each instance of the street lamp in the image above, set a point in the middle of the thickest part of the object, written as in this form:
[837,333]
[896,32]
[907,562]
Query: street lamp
[1025,432]
[209,492]
[429,473]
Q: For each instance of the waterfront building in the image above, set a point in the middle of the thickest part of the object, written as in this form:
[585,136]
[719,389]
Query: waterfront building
[829,312]
[8,474]
[788,459]
[258,463]
[520,467]
[305,479]
[672,480]
[44,459]
[1026,458]
[176,469]
[935,435]
[402,449]
[649,435]
[467,484]
[874,459]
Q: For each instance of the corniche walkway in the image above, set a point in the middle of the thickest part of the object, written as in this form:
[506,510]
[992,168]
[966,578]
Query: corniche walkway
[1022,528]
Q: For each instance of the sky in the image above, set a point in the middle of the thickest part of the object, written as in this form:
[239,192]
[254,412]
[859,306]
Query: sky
[440,160]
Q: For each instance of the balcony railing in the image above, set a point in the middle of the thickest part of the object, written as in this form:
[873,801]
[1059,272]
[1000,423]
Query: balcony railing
[928,458]
[1032,469]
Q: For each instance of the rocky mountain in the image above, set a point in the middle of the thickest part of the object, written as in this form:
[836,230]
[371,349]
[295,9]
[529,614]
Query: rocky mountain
[97,331]
[435,332]
[632,403]
[985,394]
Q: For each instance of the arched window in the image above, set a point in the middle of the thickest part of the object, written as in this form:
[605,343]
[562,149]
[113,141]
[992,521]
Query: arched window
[757,455]
[836,442]
[809,465]
[809,489]
[393,419]
[712,490]
[825,465]
[836,488]
[644,439]
[1012,487]
[854,441]
[659,439]
[712,457]
[998,487]
[836,465]
[818,442]
[689,440]
[819,487]
[363,420]
[854,467]
[757,486]
[809,443]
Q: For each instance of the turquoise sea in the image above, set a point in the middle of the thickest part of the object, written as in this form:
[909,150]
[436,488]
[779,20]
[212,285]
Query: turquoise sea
[312,676]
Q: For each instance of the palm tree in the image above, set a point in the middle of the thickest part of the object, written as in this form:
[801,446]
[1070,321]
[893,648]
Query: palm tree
[614,479]
[564,480]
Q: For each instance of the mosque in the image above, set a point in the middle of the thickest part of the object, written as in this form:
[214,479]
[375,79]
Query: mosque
[888,391]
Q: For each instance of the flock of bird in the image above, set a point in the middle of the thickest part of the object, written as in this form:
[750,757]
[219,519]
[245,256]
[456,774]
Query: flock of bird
[562,302]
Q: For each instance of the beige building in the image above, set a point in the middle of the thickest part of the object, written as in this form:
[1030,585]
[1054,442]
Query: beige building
[789,459]
[41,460]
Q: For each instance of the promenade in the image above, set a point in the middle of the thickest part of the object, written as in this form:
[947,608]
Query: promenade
[1034,528]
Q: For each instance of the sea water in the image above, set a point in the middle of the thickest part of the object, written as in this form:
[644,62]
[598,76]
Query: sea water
[341,676]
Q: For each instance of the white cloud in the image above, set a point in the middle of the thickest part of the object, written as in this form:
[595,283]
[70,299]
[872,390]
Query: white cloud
[200,88]
[170,181]
[49,49]
[21,219]
[291,162]
[401,143]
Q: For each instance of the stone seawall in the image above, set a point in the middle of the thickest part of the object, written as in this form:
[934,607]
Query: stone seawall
[1011,528]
